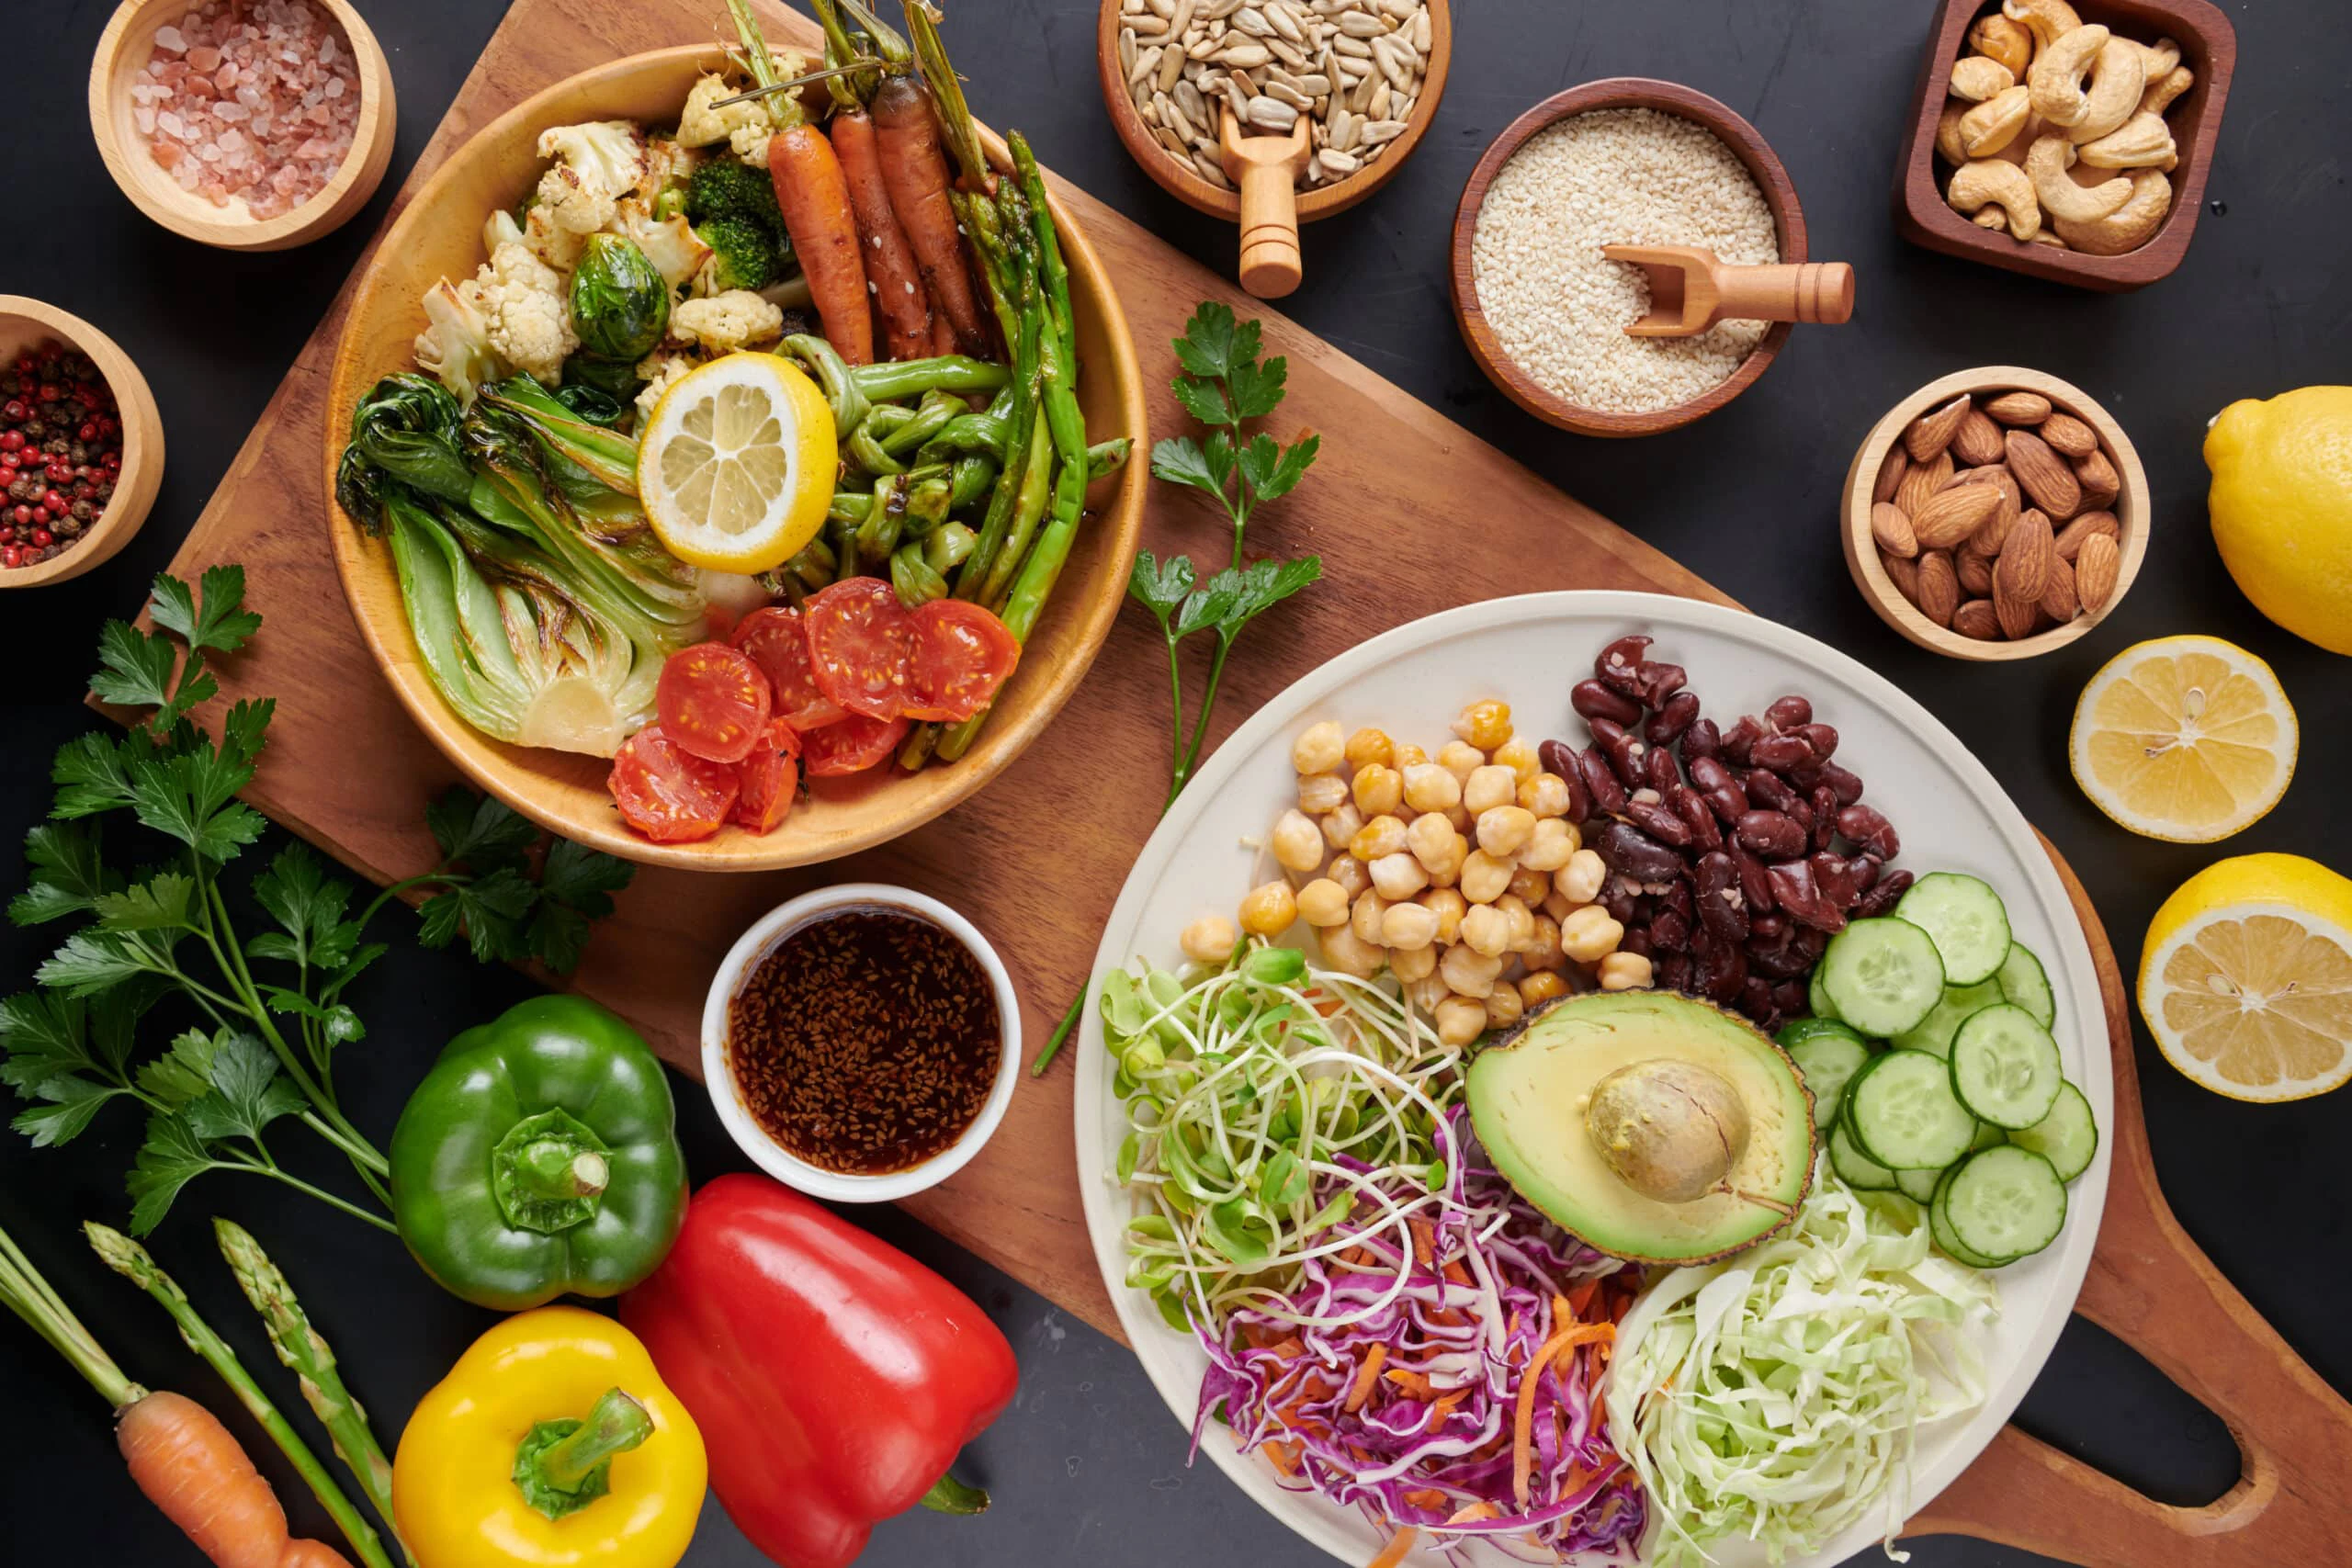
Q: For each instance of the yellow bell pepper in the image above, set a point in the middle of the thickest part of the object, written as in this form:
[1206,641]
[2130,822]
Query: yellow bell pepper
[552,1443]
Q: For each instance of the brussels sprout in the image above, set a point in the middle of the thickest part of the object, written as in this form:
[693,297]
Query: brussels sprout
[620,305]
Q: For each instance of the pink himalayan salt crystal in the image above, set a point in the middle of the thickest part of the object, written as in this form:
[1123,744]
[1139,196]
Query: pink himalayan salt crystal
[263,102]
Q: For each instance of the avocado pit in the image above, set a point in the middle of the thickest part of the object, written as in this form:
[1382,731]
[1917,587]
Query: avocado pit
[1671,1130]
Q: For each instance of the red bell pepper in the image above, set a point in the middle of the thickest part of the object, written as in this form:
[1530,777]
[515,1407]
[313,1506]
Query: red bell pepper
[834,1377]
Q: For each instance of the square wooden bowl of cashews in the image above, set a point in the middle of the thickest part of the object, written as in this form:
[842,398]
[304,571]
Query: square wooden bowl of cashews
[2066,141]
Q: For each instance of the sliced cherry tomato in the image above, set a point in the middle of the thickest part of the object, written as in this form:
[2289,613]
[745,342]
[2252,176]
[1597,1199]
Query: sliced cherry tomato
[856,743]
[670,796]
[770,776]
[863,642]
[962,655]
[776,639]
[712,701]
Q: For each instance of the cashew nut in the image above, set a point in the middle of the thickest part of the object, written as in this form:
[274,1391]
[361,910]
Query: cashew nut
[2143,142]
[1995,123]
[1948,141]
[1990,217]
[2033,131]
[2162,56]
[2049,237]
[2045,166]
[2129,226]
[2117,83]
[1997,38]
[2056,76]
[2166,88]
[2048,20]
[1977,78]
[1989,181]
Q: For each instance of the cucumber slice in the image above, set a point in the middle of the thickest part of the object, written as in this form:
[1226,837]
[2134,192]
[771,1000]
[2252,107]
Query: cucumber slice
[2023,981]
[1829,1056]
[1905,1115]
[1816,999]
[2005,1203]
[1919,1186]
[1988,1136]
[1967,920]
[1934,1033]
[1855,1168]
[1882,976]
[1939,1229]
[2067,1137]
[1798,1029]
[2005,1066]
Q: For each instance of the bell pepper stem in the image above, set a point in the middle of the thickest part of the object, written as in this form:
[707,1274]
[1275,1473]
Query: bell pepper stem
[949,1495]
[553,1168]
[614,1425]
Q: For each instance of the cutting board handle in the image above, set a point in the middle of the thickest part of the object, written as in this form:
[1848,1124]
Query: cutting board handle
[2152,1287]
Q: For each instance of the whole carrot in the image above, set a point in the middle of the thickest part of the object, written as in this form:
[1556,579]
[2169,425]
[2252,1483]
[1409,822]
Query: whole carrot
[898,289]
[814,195]
[915,170]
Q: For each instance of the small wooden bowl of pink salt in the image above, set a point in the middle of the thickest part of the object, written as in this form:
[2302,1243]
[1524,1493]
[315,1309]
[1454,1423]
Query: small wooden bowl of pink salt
[251,125]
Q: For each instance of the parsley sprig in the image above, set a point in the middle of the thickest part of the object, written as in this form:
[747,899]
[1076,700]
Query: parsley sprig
[262,1050]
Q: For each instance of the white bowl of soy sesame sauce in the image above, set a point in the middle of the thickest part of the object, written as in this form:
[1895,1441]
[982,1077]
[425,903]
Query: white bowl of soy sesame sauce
[861,1043]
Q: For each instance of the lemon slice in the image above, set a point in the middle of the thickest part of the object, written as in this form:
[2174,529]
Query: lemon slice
[2246,978]
[736,466]
[2185,737]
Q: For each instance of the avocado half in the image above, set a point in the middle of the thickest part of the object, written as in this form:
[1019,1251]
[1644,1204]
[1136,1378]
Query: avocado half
[1654,1127]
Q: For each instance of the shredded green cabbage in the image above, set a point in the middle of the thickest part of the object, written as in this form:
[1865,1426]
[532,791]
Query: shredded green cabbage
[1775,1396]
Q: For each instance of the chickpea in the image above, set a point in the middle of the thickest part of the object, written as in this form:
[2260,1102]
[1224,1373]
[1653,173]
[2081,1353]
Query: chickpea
[1485,930]
[1489,786]
[1297,842]
[1460,758]
[1363,918]
[1590,934]
[1625,972]
[1580,880]
[1398,877]
[1368,746]
[1407,926]
[1448,907]
[1411,964]
[1407,756]
[1517,754]
[1429,787]
[1540,988]
[1350,953]
[1485,878]
[1342,824]
[1519,917]
[1270,909]
[1547,795]
[1319,749]
[1504,1007]
[1323,902]
[1319,793]
[1529,885]
[1209,940]
[1459,1021]
[1349,874]
[1484,725]
[1381,836]
[1503,829]
[1468,972]
[1549,846]
[1557,906]
[1431,838]
[1459,818]
[1541,948]
[1428,993]
[1379,789]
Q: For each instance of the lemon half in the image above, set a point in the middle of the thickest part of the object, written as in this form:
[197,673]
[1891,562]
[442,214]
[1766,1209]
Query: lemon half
[2189,739]
[736,466]
[2246,977]
[2282,506]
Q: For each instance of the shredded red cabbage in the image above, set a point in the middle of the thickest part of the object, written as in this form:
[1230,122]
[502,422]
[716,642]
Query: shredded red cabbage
[1277,1382]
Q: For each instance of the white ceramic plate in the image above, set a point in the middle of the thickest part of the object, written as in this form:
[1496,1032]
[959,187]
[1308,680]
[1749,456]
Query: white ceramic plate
[1412,682]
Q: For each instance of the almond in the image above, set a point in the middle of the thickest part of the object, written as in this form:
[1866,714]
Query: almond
[1938,588]
[2059,601]
[2020,408]
[1904,572]
[1978,439]
[1892,530]
[2016,620]
[1975,618]
[2096,571]
[1890,473]
[2044,476]
[1953,514]
[1994,532]
[2070,436]
[2098,478]
[1974,571]
[1922,481]
[2070,539]
[2023,569]
[1932,431]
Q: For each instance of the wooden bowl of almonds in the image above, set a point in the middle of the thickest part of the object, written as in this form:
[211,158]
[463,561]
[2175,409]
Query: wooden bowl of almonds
[1995,514]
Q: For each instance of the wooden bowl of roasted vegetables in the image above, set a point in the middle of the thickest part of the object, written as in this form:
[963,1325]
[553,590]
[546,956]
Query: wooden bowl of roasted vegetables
[668,538]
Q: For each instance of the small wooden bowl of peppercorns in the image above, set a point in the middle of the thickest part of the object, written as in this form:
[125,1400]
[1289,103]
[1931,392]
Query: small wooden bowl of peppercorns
[81,444]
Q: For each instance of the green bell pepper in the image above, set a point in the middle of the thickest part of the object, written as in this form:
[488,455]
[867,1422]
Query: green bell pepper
[538,1156]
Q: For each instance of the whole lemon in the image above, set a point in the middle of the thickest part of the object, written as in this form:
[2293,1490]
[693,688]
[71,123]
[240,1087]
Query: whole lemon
[2281,507]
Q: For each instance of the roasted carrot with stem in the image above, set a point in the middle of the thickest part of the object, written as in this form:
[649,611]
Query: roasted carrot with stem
[896,281]
[907,123]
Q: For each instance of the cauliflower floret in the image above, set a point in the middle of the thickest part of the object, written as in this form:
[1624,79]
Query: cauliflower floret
[744,127]
[670,243]
[661,372]
[456,347]
[595,164]
[667,163]
[522,299]
[725,322]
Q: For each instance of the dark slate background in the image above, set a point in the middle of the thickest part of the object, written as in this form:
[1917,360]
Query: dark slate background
[1089,1467]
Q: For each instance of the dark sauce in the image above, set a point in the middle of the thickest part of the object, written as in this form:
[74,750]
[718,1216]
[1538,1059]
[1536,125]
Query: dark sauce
[867,1042]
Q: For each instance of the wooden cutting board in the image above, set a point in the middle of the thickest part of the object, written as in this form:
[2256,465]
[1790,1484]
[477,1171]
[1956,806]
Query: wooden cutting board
[1037,859]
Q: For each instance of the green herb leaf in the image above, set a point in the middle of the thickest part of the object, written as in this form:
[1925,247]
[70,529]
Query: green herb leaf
[1214,342]
[244,727]
[248,1091]
[298,893]
[1205,401]
[583,878]
[137,667]
[47,1036]
[71,1104]
[1266,583]
[91,961]
[1257,390]
[1180,461]
[65,875]
[188,796]
[172,1157]
[361,957]
[481,831]
[1272,472]
[339,1023]
[182,1073]
[557,936]
[488,910]
[91,775]
[220,624]
[1210,604]
[160,903]
[1159,586]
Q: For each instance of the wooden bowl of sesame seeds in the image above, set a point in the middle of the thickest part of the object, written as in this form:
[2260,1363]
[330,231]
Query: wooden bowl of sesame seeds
[1622,93]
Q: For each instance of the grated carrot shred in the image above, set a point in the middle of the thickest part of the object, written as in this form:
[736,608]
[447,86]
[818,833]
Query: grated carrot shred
[1471,1513]
[1414,1383]
[1394,1553]
[1422,1241]
[1565,1341]
[1366,1375]
[1425,1497]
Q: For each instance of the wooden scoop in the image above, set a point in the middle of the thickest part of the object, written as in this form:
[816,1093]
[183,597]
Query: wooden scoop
[1267,169]
[1690,290]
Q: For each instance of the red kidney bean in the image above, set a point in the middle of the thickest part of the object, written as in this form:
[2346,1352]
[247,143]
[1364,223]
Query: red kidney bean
[1787,713]
[1619,668]
[1660,681]
[1723,975]
[1618,898]
[1843,781]
[1781,752]
[1666,725]
[1668,931]
[1739,739]
[1813,943]
[1881,898]
[1780,959]
[1868,826]
[1708,773]
[1866,868]
[1672,971]
[1840,883]
[1663,823]
[1606,731]
[1659,773]
[1722,909]
[1788,999]
[1754,884]
[1756,1001]
[1705,833]
[1702,739]
[1637,941]
[1796,890]
[1633,853]
[1676,898]
[1825,816]
[1559,760]
[1599,783]
[1801,813]
[1729,804]
[1822,737]
[1769,927]
[1769,790]
[1771,834]
[1593,700]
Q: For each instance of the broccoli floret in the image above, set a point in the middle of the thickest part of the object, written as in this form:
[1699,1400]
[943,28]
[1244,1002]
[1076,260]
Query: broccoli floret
[721,188]
[742,255]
